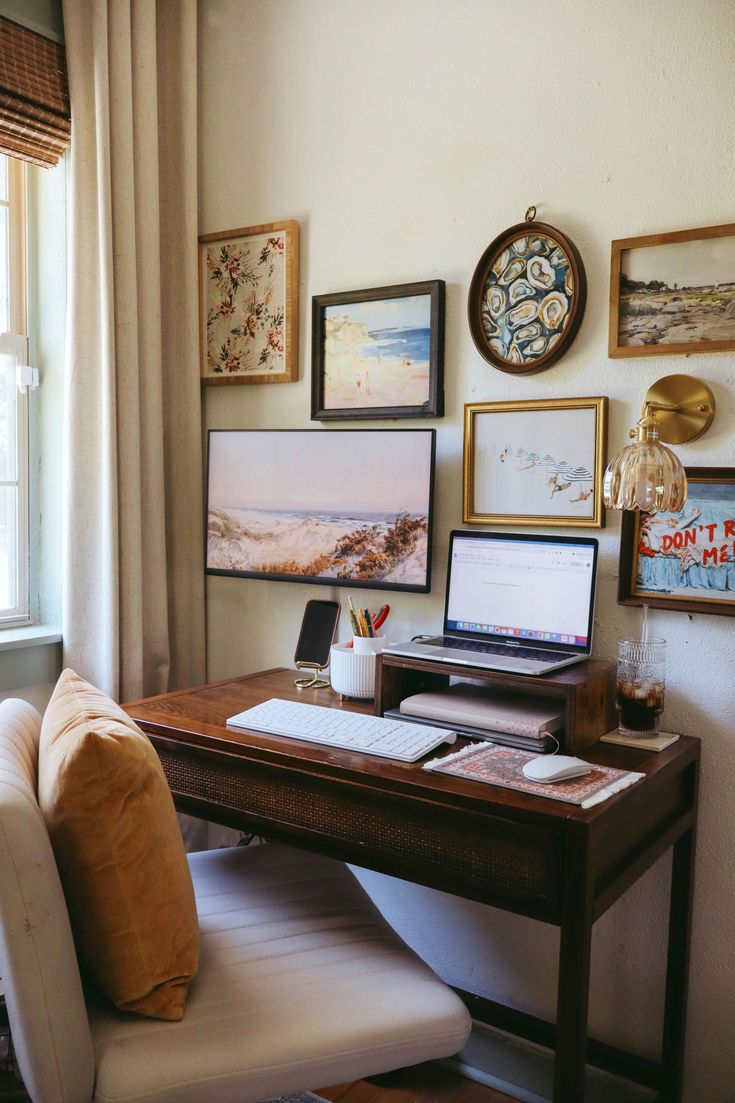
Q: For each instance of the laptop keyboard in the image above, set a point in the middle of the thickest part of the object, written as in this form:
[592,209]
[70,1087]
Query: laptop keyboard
[503,649]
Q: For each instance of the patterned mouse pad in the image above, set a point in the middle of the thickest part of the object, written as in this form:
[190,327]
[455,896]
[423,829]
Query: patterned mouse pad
[504,766]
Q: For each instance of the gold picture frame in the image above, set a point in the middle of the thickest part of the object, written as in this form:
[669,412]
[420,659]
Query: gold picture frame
[537,462]
[249,304]
[673,293]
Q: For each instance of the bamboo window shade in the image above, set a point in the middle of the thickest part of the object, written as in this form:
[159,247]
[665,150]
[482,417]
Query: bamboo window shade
[35,117]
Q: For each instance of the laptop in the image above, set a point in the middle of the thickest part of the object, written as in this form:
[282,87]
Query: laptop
[515,601]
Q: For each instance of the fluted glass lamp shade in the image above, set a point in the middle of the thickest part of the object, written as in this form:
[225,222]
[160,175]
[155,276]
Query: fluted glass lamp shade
[646,475]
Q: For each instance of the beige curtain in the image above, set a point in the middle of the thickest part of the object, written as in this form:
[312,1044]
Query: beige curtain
[133,543]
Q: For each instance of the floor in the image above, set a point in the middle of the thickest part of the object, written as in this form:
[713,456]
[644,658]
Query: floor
[429,1083]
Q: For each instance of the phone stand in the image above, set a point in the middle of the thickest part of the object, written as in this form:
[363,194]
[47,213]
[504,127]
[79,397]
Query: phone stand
[313,681]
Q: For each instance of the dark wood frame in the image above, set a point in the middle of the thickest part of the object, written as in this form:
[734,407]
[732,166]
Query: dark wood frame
[290,230]
[628,566]
[615,349]
[434,406]
[528,855]
[477,293]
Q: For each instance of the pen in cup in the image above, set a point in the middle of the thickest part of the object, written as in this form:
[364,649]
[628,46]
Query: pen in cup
[364,623]
[353,617]
[381,617]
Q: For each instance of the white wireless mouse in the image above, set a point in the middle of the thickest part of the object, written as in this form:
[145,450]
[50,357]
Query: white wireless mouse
[555,767]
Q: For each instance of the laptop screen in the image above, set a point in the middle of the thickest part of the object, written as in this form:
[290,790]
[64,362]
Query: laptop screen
[538,590]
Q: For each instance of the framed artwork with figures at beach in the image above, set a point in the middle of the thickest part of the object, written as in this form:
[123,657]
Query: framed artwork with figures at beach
[378,353]
[536,462]
[683,560]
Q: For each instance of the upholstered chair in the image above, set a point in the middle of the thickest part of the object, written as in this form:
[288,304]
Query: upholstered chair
[301,983]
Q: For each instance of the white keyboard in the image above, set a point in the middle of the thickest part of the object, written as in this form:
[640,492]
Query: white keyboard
[348,730]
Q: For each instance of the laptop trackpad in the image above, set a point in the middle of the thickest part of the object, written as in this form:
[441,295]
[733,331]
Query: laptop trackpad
[461,656]
[488,662]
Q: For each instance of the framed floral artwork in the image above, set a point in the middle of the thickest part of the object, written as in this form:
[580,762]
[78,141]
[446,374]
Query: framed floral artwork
[535,462]
[249,308]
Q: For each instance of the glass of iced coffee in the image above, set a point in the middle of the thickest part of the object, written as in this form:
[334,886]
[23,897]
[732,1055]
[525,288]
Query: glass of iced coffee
[641,681]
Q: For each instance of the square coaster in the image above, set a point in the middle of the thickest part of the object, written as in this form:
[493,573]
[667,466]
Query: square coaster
[659,743]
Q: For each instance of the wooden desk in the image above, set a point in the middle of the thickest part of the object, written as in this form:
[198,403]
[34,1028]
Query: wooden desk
[529,855]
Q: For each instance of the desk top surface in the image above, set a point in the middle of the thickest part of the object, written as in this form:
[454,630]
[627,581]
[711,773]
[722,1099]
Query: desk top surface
[196,718]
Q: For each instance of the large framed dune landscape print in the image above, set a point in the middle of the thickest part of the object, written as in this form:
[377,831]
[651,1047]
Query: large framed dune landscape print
[346,507]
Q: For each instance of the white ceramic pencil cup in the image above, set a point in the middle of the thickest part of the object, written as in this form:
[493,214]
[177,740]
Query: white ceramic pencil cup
[352,669]
[367,645]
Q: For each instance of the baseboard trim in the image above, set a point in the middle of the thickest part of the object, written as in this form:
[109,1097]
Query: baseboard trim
[498,1085]
[524,1071]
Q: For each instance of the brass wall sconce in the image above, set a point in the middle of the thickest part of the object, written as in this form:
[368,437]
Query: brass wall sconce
[647,475]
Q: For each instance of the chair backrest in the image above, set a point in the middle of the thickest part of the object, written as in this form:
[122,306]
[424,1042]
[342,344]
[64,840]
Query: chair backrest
[38,963]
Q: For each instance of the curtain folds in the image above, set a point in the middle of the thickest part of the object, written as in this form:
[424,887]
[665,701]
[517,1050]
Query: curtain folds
[133,544]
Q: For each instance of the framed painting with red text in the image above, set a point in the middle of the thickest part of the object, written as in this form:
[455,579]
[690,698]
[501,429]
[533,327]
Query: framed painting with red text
[683,560]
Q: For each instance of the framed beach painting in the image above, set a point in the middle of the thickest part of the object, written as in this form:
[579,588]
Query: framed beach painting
[378,353]
[538,462]
[683,560]
[673,292]
[342,507]
[249,304]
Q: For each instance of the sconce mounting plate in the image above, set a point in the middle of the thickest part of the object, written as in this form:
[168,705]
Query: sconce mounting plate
[684,407]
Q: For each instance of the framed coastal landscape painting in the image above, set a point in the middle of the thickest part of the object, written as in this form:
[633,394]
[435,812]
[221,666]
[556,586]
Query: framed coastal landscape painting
[342,507]
[249,304]
[673,292]
[378,353]
[536,462]
[683,560]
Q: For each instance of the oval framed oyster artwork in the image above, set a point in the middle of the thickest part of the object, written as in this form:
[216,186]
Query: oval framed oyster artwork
[527,297]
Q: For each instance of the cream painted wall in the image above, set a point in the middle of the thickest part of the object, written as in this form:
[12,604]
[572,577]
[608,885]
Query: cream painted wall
[404,137]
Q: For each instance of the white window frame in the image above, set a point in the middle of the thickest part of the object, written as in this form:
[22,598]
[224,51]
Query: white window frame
[15,344]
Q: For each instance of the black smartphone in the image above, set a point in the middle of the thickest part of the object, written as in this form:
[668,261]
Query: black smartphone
[318,630]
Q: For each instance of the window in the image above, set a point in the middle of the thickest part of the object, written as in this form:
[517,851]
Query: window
[14,504]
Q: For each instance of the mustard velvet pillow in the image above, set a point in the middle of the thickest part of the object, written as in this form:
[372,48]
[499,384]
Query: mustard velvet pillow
[119,850]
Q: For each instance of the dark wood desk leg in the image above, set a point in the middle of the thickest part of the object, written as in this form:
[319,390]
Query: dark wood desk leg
[677,967]
[574,978]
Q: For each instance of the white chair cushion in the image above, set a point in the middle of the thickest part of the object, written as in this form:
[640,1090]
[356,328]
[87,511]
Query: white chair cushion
[301,984]
[38,963]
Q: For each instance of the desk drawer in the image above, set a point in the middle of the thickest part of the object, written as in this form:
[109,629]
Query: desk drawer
[488,858]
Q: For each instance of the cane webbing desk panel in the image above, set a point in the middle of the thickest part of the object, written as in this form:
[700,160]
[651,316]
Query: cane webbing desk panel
[504,861]
[532,856]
